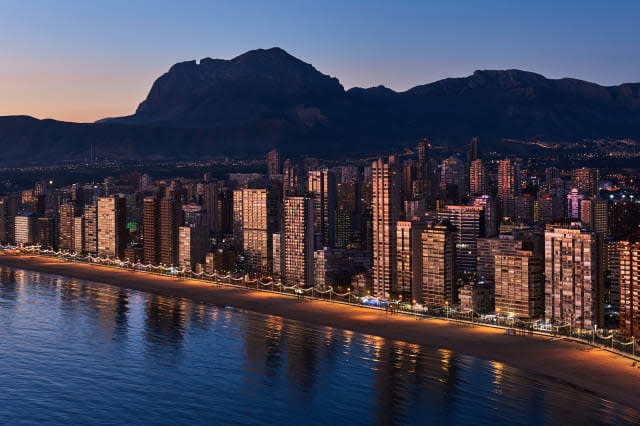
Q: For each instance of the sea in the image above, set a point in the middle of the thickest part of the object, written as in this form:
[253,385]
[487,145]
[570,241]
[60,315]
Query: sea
[80,352]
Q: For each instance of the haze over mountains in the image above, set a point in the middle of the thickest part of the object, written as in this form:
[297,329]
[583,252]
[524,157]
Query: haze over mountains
[267,98]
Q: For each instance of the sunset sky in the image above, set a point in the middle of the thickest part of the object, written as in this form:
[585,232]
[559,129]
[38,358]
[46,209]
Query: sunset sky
[84,60]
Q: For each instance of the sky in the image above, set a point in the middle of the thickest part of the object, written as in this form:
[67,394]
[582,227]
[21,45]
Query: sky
[85,60]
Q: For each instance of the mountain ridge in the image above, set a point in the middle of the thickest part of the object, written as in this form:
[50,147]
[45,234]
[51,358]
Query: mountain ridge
[267,98]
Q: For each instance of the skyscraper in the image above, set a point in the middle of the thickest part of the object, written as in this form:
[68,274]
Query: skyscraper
[67,215]
[211,205]
[170,214]
[25,229]
[8,210]
[434,268]
[193,245]
[519,285]
[386,212]
[273,163]
[490,209]
[594,213]
[469,222]
[278,255]
[112,231]
[574,291]
[237,219]
[489,248]
[151,231]
[404,251]
[91,229]
[586,180]
[259,222]
[453,177]
[474,150]
[478,179]
[46,233]
[629,264]
[289,179]
[508,186]
[322,189]
[78,235]
[574,200]
[298,241]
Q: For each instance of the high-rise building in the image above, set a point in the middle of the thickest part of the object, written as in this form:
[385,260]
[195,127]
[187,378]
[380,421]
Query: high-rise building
[504,245]
[322,189]
[409,176]
[25,229]
[524,208]
[586,180]
[551,173]
[629,269]
[453,177]
[193,246]
[624,219]
[474,150]
[594,213]
[298,241]
[273,163]
[469,222]
[46,233]
[237,219]
[225,211]
[343,225]
[259,222]
[91,229]
[508,186]
[519,285]
[404,251]
[151,230]
[8,210]
[574,199]
[478,179]
[408,246]
[434,266]
[550,208]
[490,208]
[574,291]
[289,179]
[67,216]
[386,212]
[78,235]
[170,214]
[211,205]
[112,230]
[423,156]
[278,255]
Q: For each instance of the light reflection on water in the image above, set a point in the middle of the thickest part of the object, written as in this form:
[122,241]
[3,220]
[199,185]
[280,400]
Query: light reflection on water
[74,351]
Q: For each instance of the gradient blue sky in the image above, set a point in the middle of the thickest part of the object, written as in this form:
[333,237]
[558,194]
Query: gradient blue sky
[84,60]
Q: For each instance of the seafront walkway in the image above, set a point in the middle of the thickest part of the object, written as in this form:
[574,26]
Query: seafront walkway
[609,341]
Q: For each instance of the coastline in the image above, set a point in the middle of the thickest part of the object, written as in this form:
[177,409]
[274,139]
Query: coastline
[597,371]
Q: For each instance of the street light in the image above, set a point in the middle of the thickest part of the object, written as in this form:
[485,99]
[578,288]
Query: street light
[446,307]
[415,312]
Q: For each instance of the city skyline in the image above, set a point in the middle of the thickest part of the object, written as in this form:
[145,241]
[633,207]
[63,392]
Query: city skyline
[74,67]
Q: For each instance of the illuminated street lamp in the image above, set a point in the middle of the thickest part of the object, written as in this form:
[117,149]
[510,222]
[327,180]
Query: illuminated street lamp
[446,307]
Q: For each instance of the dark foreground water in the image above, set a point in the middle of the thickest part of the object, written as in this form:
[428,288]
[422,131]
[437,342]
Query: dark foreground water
[84,353]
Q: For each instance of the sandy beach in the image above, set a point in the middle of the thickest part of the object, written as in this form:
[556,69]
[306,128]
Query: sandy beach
[610,376]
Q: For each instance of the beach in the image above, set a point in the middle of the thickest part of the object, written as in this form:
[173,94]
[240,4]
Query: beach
[608,375]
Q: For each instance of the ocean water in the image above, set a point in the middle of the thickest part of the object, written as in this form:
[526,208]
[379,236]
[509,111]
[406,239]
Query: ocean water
[76,352]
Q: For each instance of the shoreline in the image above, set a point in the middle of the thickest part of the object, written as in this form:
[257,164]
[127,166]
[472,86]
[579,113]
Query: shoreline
[597,371]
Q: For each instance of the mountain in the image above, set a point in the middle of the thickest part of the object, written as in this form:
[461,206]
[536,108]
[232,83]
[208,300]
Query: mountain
[267,98]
